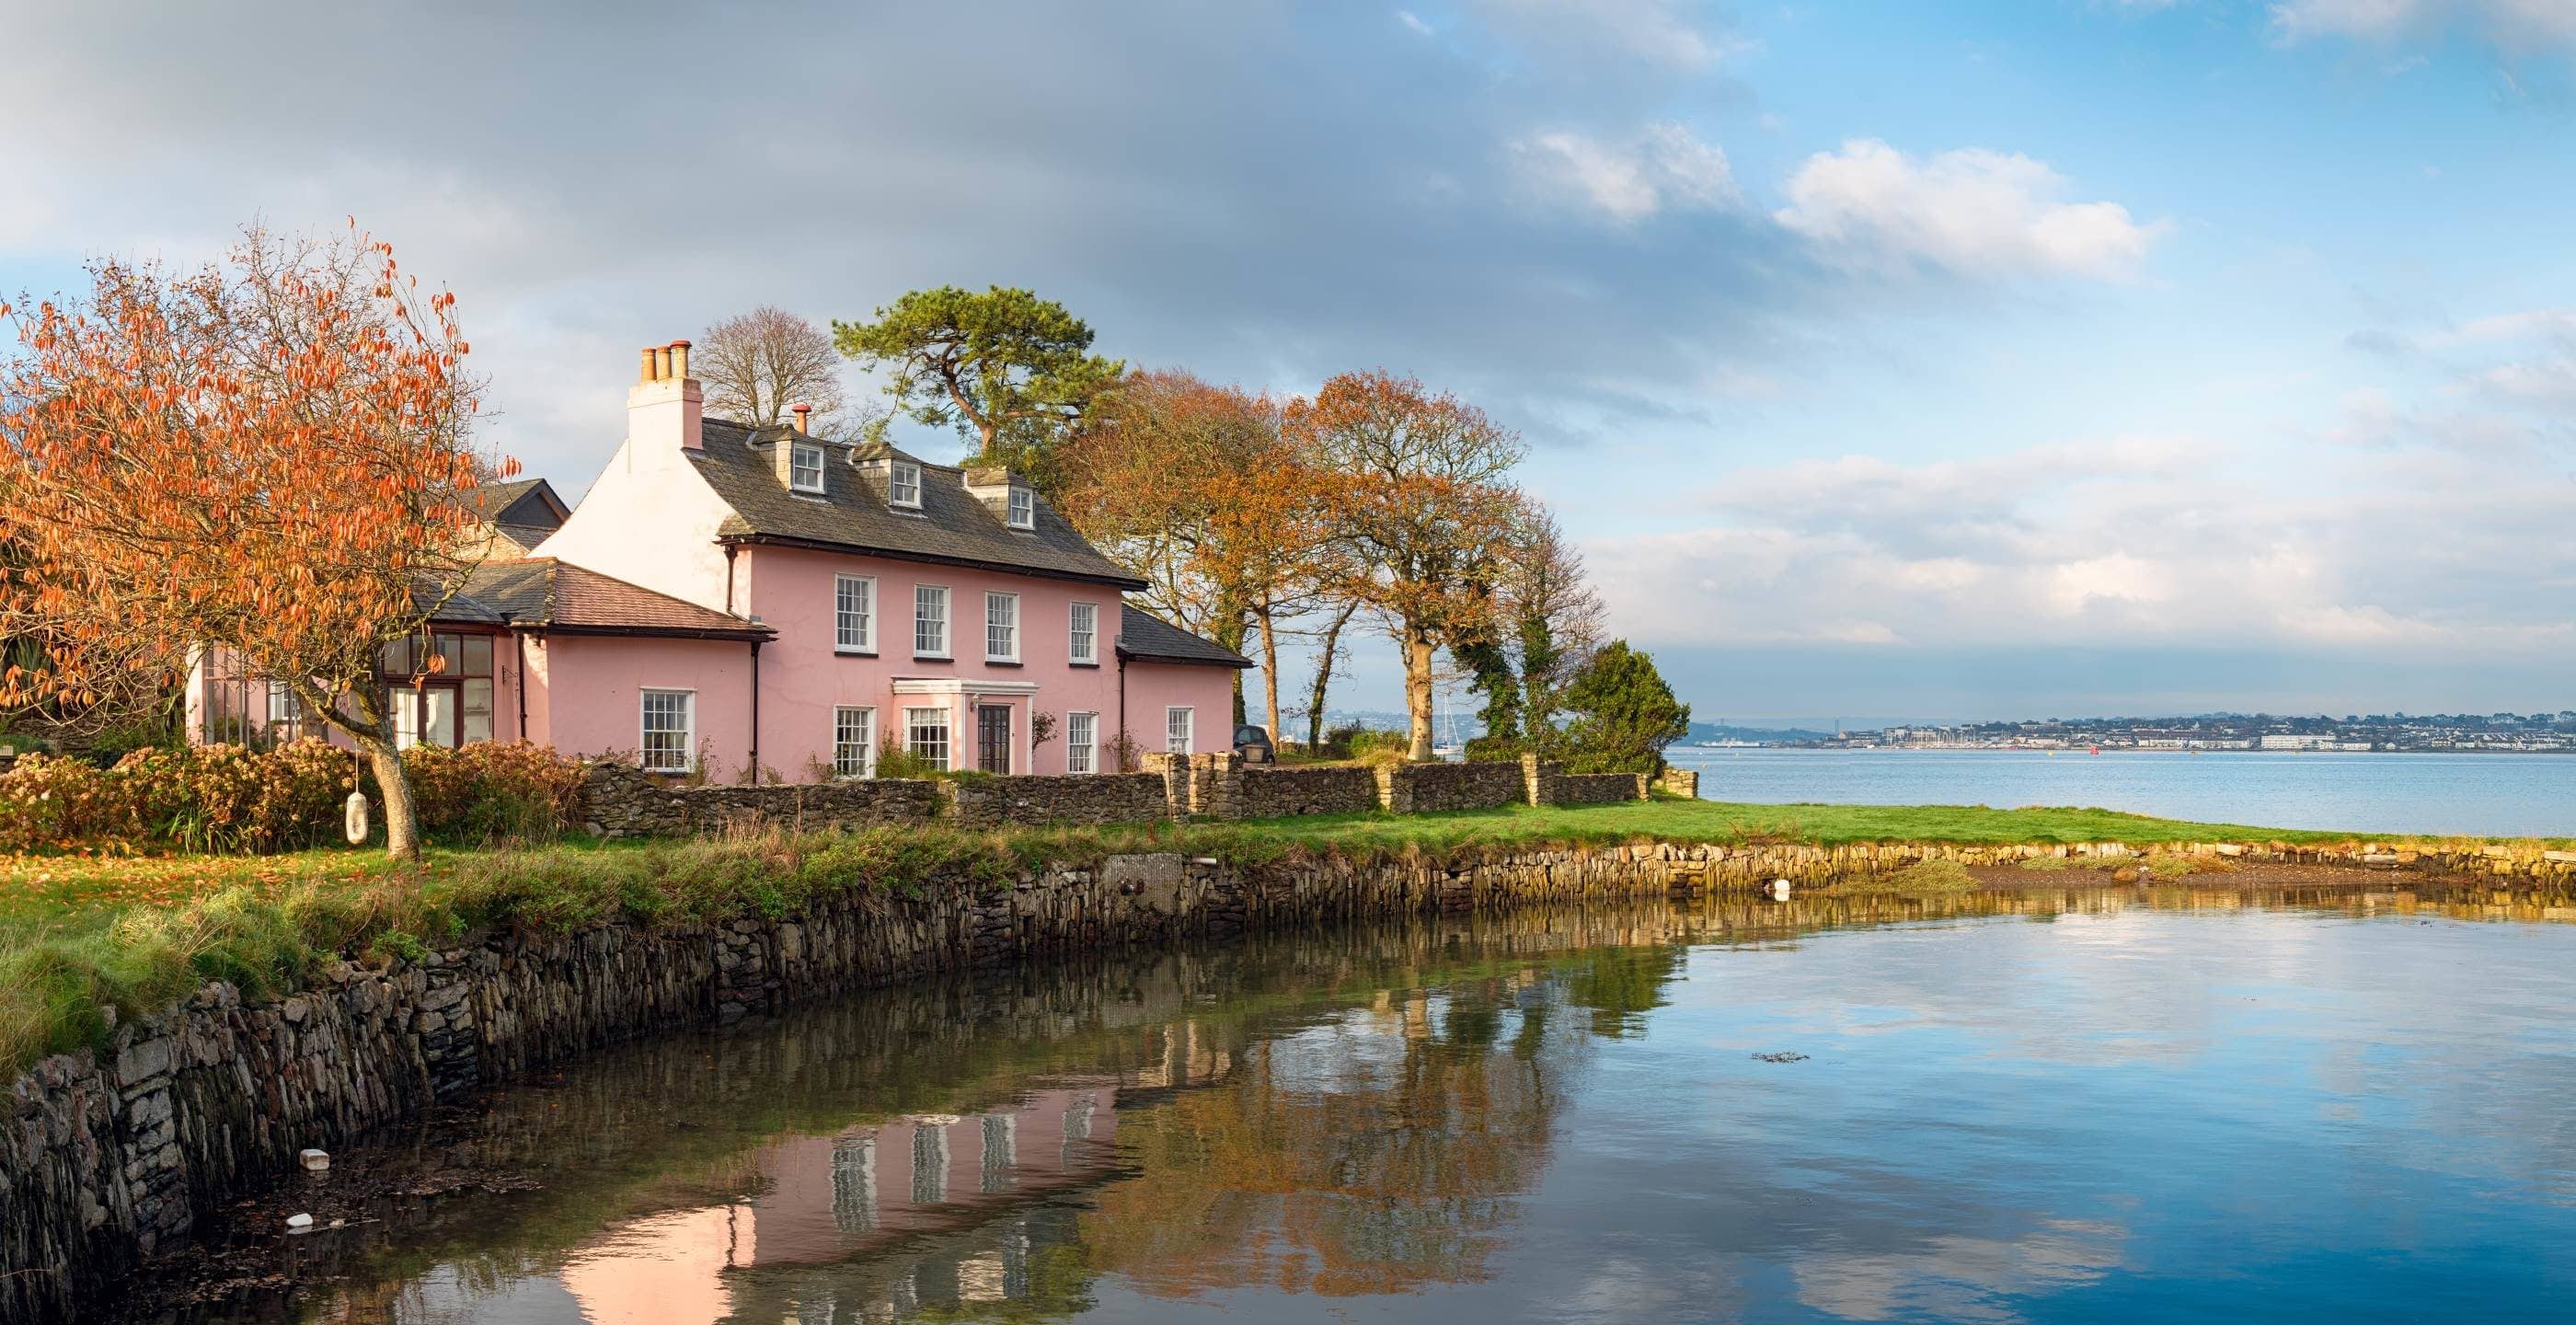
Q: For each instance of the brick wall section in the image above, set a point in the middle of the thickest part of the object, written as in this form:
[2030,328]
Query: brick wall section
[1272,793]
[1106,798]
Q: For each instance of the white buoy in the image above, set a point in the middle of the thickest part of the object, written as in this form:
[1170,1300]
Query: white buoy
[355,822]
[314,1160]
[299,1223]
[1779,890]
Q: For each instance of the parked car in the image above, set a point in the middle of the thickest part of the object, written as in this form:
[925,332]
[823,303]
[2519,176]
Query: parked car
[1254,745]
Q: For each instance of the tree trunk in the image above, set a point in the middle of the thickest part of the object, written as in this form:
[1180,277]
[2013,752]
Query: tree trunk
[1324,677]
[1270,674]
[371,729]
[1418,650]
[402,817]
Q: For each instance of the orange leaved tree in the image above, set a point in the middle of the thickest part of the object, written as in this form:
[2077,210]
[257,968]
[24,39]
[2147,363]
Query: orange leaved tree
[1422,512]
[267,456]
[1196,489]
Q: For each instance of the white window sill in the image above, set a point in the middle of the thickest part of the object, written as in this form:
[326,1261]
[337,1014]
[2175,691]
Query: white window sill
[1001,662]
[847,652]
[932,657]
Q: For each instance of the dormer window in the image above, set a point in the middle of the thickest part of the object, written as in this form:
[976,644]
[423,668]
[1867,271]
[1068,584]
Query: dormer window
[903,484]
[1024,509]
[805,468]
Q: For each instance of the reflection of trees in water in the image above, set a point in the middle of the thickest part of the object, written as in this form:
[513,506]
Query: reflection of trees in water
[1379,1155]
[1621,985]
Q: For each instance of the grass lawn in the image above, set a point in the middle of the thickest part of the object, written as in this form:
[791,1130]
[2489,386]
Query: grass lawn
[81,931]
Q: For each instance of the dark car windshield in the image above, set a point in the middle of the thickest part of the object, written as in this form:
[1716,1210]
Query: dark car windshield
[1251,736]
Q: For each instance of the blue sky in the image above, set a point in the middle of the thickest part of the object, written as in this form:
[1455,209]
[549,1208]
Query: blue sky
[1901,360]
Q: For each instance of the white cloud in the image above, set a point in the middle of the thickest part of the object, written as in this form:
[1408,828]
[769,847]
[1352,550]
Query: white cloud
[1664,167]
[1972,211]
[1413,22]
[2139,541]
[2514,24]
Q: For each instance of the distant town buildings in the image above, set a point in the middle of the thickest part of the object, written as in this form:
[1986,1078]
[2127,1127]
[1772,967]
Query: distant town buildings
[2503,733]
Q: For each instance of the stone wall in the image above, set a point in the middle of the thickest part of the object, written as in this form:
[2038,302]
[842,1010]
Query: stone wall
[1682,782]
[108,1157]
[1271,793]
[620,800]
[1104,798]
[1441,788]
[1599,788]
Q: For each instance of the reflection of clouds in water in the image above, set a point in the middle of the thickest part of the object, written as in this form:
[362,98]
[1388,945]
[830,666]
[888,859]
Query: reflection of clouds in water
[1628,1289]
[1954,1277]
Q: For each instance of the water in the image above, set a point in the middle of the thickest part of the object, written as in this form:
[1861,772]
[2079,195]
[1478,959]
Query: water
[2433,794]
[2066,1106]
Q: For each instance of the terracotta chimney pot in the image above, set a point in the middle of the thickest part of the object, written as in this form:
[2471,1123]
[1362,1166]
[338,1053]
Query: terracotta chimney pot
[646,374]
[804,417]
[679,358]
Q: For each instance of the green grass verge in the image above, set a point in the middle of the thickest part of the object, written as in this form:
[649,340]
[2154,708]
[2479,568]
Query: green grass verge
[79,934]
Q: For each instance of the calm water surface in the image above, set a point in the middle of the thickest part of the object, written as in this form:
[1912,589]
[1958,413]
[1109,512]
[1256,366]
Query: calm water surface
[2070,1106]
[2474,795]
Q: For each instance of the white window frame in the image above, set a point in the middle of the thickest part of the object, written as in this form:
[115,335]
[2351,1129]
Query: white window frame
[913,723]
[864,640]
[1011,627]
[947,613]
[867,761]
[797,469]
[1188,730]
[1023,508]
[1088,749]
[688,733]
[902,477]
[1082,645]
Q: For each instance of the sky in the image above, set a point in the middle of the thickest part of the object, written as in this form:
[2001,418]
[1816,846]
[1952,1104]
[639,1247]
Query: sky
[1887,360]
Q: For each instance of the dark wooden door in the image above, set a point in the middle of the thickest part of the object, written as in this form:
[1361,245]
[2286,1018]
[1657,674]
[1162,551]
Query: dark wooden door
[993,738]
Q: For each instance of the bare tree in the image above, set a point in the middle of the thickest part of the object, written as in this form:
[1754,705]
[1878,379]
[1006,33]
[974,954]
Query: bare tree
[758,364]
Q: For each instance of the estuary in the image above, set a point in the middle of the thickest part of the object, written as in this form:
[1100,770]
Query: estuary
[2172,1103]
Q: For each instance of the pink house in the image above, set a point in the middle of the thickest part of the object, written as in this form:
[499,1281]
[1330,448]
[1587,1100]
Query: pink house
[728,599]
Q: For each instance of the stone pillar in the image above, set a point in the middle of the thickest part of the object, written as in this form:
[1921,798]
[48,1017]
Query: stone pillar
[1216,785]
[1175,772]
[1643,791]
[1681,782]
[1540,778]
[1394,788]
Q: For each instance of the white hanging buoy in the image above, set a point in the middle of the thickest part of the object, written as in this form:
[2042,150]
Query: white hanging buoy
[1779,890]
[299,1223]
[314,1160]
[355,824]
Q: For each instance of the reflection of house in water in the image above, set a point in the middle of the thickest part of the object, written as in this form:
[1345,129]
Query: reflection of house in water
[873,1220]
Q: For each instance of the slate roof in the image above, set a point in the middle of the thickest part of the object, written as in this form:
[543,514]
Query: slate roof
[1146,638]
[496,502]
[953,526]
[541,593]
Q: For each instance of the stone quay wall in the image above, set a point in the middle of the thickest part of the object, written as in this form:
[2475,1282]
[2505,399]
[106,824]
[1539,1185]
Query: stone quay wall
[108,1157]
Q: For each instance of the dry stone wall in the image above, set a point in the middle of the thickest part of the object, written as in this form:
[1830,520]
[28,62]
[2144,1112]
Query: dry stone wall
[618,800]
[1105,798]
[1273,793]
[1444,788]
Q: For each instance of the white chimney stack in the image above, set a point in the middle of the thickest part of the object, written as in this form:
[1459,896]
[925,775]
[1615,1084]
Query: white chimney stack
[665,409]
